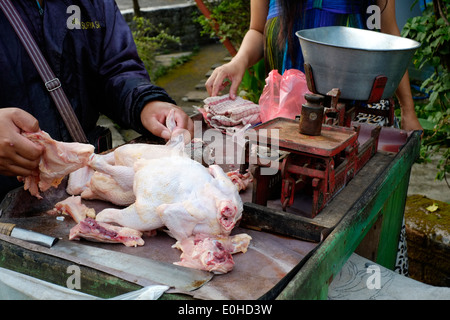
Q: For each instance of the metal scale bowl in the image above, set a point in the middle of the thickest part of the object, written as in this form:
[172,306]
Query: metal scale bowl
[353,59]
[342,65]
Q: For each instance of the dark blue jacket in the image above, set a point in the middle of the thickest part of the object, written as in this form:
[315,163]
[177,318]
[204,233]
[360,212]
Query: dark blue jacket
[97,65]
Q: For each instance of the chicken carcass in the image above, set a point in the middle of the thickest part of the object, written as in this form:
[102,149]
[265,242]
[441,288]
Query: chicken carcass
[58,160]
[170,190]
[213,254]
[182,195]
[103,232]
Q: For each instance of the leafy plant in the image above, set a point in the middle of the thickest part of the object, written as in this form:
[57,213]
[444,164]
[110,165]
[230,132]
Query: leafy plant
[253,82]
[432,30]
[150,40]
[232,17]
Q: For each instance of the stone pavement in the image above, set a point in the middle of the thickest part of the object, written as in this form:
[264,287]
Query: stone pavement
[186,83]
[422,181]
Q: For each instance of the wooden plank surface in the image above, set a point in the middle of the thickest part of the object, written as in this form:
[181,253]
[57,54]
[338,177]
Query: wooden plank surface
[330,142]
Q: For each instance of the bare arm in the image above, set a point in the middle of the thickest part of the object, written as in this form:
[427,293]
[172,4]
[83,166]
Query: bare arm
[250,52]
[408,114]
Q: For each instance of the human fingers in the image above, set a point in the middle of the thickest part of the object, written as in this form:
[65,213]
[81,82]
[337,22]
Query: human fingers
[233,89]
[155,115]
[219,80]
[14,121]
[183,121]
[19,168]
[18,155]
[209,85]
[17,148]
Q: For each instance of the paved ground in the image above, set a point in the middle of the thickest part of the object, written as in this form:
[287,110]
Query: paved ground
[185,84]
[423,182]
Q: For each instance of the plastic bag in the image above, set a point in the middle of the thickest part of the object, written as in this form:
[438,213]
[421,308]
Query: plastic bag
[283,95]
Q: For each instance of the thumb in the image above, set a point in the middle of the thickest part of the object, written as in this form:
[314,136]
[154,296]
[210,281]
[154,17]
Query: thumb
[158,129]
[25,121]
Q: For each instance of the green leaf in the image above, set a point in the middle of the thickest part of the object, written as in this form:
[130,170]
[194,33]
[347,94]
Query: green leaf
[426,124]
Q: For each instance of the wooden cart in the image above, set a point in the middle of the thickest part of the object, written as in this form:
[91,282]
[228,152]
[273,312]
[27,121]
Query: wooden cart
[366,217]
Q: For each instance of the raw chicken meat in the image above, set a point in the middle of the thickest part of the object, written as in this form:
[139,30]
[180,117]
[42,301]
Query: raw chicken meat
[182,195]
[212,254]
[78,180]
[128,154]
[110,176]
[229,115]
[240,180]
[58,160]
[72,206]
[102,232]
[104,187]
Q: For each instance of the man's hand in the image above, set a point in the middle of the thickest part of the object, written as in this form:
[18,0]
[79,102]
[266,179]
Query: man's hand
[154,115]
[18,155]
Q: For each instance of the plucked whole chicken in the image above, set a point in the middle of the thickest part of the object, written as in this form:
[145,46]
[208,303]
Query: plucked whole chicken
[154,186]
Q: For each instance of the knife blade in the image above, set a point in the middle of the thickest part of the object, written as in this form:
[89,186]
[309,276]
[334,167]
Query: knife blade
[140,270]
[10,229]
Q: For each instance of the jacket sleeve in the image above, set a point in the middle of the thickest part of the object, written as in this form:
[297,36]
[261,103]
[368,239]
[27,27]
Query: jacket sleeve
[126,81]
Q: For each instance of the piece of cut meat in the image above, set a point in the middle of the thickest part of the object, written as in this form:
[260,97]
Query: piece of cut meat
[229,115]
[103,232]
[73,207]
[241,180]
[209,253]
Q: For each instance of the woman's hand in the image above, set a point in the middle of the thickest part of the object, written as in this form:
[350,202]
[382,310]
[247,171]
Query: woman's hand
[221,76]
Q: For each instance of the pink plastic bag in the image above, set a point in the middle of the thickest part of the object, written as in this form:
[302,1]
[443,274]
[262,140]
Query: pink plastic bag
[284,95]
